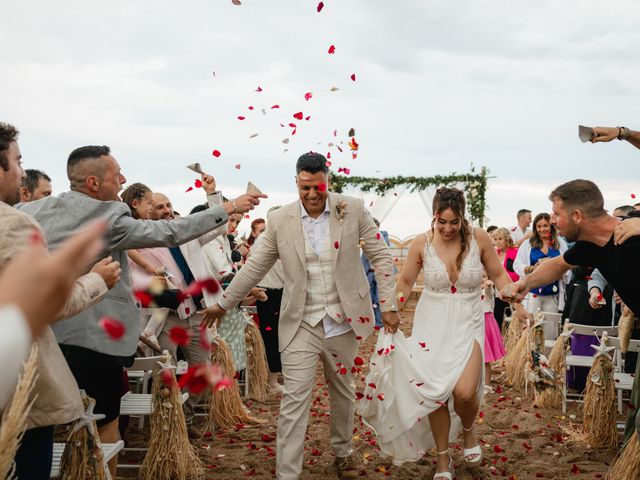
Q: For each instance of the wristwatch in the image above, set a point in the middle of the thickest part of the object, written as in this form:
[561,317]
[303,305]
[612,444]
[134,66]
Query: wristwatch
[623,133]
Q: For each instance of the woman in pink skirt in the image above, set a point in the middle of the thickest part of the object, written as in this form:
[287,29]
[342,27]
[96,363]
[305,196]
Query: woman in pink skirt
[493,343]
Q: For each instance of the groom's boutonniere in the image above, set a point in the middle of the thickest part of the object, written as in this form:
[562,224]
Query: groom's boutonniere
[341,208]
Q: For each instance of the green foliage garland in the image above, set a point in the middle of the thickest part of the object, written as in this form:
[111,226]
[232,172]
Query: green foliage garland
[474,185]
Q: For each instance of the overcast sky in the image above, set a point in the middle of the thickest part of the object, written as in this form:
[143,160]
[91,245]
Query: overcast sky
[440,85]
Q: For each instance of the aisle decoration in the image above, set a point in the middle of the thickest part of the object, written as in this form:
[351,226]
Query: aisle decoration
[226,409]
[14,419]
[625,327]
[256,363]
[540,374]
[600,400]
[552,397]
[513,332]
[627,464]
[474,184]
[82,458]
[170,455]
[516,359]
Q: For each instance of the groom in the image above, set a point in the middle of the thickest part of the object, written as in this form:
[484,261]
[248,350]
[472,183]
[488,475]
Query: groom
[325,307]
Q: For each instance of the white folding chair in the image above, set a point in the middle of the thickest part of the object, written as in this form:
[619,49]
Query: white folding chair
[551,328]
[582,360]
[141,404]
[142,370]
[109,450]
[624,381]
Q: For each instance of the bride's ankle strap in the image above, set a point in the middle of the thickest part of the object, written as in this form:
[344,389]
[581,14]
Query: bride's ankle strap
[443,453]
[467,429]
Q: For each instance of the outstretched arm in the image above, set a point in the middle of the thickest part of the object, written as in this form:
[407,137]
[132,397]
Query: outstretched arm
[606,134]
[546,273]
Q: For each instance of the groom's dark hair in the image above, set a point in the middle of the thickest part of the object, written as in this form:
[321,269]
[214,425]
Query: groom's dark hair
[312,162]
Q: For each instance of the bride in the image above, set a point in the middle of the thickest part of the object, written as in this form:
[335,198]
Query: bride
[421,390]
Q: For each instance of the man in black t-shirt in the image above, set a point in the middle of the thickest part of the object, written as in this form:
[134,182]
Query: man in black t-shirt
[601,242]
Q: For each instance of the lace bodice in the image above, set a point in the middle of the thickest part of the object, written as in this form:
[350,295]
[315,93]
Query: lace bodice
[436,277]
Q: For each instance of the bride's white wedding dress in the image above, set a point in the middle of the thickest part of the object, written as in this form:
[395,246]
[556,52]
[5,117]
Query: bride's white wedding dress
[411,377]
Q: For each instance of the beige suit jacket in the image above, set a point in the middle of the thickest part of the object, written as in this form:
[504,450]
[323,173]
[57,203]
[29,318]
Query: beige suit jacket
[58,398]
[284,239]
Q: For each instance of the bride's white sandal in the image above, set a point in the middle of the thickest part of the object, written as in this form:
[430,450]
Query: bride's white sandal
[445,475]
[473,456]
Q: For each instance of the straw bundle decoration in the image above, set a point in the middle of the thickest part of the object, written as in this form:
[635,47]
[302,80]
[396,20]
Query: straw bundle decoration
[600,399]
[226,409]
[516,359]
[14,419]
[513,333]
[627,464]
[82,458]
[541,375]
[552,397]
[171,455]
[257,363]
[625,327]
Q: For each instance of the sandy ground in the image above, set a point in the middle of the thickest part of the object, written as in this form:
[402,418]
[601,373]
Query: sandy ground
[520,442]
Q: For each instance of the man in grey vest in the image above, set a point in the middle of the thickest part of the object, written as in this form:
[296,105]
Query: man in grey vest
[326,308]
[95,180]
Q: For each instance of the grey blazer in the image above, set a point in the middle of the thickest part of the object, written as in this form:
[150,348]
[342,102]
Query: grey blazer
[62,215]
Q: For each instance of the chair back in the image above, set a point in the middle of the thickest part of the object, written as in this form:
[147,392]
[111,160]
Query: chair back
[634,345]
[146,363]
[593,329]
[552,322]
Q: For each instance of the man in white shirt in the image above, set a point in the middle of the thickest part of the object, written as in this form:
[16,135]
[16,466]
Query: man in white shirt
[521,231]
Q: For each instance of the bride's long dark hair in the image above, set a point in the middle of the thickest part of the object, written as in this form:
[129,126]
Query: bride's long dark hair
[453,198]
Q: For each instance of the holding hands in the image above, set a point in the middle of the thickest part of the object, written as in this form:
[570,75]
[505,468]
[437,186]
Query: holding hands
[514,292]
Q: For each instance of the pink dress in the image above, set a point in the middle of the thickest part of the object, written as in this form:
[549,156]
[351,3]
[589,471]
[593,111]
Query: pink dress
[493,343]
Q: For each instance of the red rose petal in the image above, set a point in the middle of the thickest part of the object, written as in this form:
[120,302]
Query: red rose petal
[240,117]
[167,377]
[575,469]
[237,166]
[250,107]
[497,449]
[353,77]
[336,244]
[320,7]
[308,96]
[322,187]
[216,153]
[112,327]
[453,289]
[633,195]
[267,329]
[179,336]
[358,361]
[298,115]
[198,183]
[259,89]
[275,106]
[332,50]
[143,297]
[188,190]
[327,163]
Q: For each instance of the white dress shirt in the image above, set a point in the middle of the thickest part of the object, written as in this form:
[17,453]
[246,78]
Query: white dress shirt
[15,342]
[317,230]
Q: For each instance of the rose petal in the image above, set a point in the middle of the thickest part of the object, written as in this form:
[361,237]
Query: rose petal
[353,77]
[332,50]
[112,327]
[358,361]
[198,183]
[240,117]
[237,166]
[216,153]
[298,115]
[322,187]
[179,336]
[336,244]
[320,7]
[308,96]
[275,106]
[259,89]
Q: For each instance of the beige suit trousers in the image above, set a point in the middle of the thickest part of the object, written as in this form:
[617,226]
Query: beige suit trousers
[299,361]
